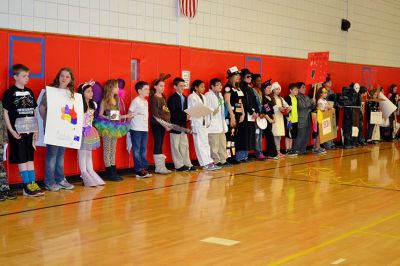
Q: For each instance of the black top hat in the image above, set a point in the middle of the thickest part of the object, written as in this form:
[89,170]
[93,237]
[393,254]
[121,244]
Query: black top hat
[245,72]
[232,71]
[266,84]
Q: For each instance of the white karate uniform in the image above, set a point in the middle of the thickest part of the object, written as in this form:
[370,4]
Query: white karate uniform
[200,132]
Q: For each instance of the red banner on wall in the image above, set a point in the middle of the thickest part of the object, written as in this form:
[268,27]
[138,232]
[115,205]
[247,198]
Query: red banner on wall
[317,67]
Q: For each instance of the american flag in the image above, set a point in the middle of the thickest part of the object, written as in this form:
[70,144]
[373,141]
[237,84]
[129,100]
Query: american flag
[188,7]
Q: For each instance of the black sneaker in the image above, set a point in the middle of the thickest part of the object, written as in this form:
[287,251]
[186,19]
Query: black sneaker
[30,190]
[142,174]
[2,196]
[182,169]
[9,194]
[226,164]
[192,169]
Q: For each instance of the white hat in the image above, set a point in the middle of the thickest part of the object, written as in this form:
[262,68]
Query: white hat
[275,85]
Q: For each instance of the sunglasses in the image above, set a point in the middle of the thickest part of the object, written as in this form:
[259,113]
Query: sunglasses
[248,76]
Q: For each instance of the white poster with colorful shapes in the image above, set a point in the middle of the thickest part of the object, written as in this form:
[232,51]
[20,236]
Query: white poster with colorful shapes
[65,116]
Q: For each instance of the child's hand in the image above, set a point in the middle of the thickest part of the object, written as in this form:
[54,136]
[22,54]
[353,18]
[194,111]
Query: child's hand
[15,134]
[216,111]
[241,119]
[130,116]
[187,117]
[254,116]
[35,136]
[232,122]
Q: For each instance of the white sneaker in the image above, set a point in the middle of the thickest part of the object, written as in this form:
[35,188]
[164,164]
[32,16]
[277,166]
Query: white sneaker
[211,167]
[53,188]
[65,185]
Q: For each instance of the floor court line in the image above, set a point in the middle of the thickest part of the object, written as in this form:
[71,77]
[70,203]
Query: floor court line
[191,182]
[333,240]
[316,181]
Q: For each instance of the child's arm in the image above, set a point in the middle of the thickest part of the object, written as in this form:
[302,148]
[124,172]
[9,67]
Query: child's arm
[101,111]
[43,107]
[14,133]
[4,129]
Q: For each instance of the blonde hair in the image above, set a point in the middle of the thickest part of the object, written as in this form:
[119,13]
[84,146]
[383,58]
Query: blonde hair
[108,94]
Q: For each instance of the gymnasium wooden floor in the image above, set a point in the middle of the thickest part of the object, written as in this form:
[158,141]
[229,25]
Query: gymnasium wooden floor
[342,208]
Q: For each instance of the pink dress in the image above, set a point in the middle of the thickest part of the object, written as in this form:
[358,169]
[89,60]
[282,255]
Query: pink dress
[90,139]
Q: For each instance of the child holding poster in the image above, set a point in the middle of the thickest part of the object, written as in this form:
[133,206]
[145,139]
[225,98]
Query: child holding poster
[200,127]
[54,165]
[372,106]
[111,126]
[322,106]
[19,116]
[90,138]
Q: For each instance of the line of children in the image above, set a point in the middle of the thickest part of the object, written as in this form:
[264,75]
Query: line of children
[245,99]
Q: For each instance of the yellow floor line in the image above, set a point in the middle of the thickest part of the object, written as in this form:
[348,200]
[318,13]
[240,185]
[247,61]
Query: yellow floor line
[380,234]
[332,241]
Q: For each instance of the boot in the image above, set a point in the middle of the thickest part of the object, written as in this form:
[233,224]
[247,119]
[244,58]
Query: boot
[159,160]
[88,180]
[110,175]
[96,178]
[115,173]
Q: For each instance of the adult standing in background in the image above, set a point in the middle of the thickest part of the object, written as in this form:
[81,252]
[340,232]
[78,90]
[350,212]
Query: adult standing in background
[304,107]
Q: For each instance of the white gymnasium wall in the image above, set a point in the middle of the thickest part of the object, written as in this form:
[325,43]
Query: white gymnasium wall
[273,27]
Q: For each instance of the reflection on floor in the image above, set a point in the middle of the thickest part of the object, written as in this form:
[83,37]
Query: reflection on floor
[342,209]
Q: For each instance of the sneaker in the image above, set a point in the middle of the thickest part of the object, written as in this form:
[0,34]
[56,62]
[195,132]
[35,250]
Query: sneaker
[261,157]
[273,157]
[9,194]
[65,185]
[292,153]
[53,187]
[182,169]
[226,164]
[318,151]
[29,190]
[281,155]
[142,174]
[2,196]
[192,169]
[38,189]
[211,167]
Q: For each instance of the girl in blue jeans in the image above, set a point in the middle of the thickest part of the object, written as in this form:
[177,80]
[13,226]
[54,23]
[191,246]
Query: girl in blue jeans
[54,165]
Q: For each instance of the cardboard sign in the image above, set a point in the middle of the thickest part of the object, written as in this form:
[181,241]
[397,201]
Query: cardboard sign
[376,118]
[386,106]
[64,121]
[199,110]
[326,129]
[317,67]
[186,78]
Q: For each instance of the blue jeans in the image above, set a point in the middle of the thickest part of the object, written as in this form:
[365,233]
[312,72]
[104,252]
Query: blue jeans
[54,168]
[139,143]
[242,155]
[258,146]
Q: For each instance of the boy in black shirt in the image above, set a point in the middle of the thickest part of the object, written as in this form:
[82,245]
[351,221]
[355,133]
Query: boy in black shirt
[19,114]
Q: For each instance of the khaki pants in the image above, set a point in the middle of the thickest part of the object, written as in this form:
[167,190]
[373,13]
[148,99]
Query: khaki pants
[180,150]
[217,143]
